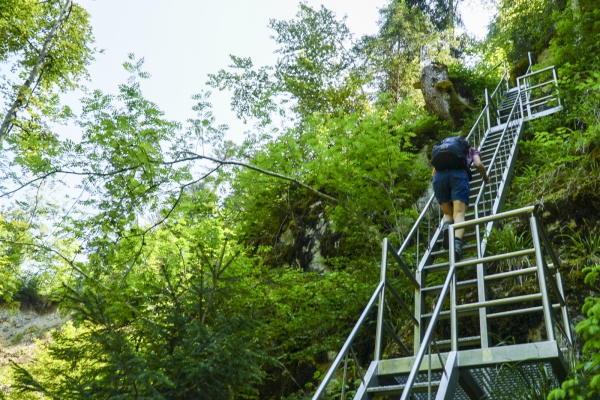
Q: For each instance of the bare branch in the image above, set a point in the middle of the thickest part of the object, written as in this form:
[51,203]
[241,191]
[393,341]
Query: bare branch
[265,172]
[193,157]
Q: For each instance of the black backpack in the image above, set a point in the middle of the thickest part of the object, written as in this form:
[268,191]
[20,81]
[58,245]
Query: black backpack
[451,153]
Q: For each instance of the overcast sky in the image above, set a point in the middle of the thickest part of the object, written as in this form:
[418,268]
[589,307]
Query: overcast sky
[184,40]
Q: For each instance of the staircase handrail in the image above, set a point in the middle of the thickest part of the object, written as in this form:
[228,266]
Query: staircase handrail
[450,281]
[491,164]
[528,88]
[430,202]
[348,343]
[428,335]
[414,231]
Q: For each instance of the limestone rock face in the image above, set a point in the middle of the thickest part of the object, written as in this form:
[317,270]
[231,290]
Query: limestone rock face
[441,98]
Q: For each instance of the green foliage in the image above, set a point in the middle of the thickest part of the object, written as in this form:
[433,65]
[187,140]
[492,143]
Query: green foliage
[406,40]
[365,160]
[584,244]
[158,326]
[520,27]
[584,382]
[316,71]
[25,26]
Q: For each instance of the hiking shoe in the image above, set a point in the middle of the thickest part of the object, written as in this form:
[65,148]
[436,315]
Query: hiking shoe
[445,235]
[458,244]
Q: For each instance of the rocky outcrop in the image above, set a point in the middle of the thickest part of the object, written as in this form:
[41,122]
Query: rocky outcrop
[440,96]
[302,241]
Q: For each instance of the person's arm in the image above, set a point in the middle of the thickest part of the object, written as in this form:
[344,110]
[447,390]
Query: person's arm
[481,168]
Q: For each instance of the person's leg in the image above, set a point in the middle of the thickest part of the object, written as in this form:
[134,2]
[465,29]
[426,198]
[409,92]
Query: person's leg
[460,209]
[447,219]
[448,211]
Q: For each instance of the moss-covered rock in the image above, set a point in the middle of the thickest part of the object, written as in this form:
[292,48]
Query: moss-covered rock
[441,98]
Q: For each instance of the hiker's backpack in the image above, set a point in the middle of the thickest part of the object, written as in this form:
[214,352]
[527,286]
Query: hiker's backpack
[451,153]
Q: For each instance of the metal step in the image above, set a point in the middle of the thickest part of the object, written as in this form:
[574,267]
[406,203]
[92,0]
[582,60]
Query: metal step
[465,341]
[391,390]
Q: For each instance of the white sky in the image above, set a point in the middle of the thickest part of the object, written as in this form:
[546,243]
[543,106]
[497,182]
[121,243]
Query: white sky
[184,40]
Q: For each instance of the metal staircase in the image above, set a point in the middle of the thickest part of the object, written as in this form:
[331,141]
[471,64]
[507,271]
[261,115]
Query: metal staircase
[465,313]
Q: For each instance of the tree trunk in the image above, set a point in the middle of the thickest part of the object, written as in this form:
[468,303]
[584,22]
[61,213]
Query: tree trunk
[35,72]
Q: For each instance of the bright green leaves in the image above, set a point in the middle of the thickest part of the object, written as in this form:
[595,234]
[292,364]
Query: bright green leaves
[406,40]
[253,90]
[317,64]
[24,25]
[47,44]
[365,160]
[316,72]
[171,322]
[522,27]
[585,378]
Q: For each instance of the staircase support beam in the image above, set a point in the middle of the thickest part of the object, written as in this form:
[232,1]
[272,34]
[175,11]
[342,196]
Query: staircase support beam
[449,381]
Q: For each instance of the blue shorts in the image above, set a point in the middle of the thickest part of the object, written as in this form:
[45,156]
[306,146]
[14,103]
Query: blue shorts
[451,185]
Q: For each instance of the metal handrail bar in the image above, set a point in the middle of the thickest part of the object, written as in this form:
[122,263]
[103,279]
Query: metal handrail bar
[540,100]
[519,312]
[344,377]
[516,272]
[402,303]
[498,86]
[558,323]
[539,71]
[499,302]
[347,344]
[416,225]
[497,257]
[483,112]
[546,240]
[437,350]
[530,88]
[427,337]
[535,238]
[499,216]
[362,377]
[403,265]
[553,284]
[493,159]
[495,66]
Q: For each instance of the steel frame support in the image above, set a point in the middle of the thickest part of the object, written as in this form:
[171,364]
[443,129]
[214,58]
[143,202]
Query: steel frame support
[449,381]
[542,278]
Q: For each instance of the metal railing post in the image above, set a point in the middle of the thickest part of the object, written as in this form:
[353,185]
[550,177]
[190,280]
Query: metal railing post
[381,305]
[564,311]
[556,85]
[344,378]
[542,277]
[487,104]
[519,99]
[453,322]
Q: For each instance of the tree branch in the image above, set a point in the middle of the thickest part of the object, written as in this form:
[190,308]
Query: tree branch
[263,171]
[194,157]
